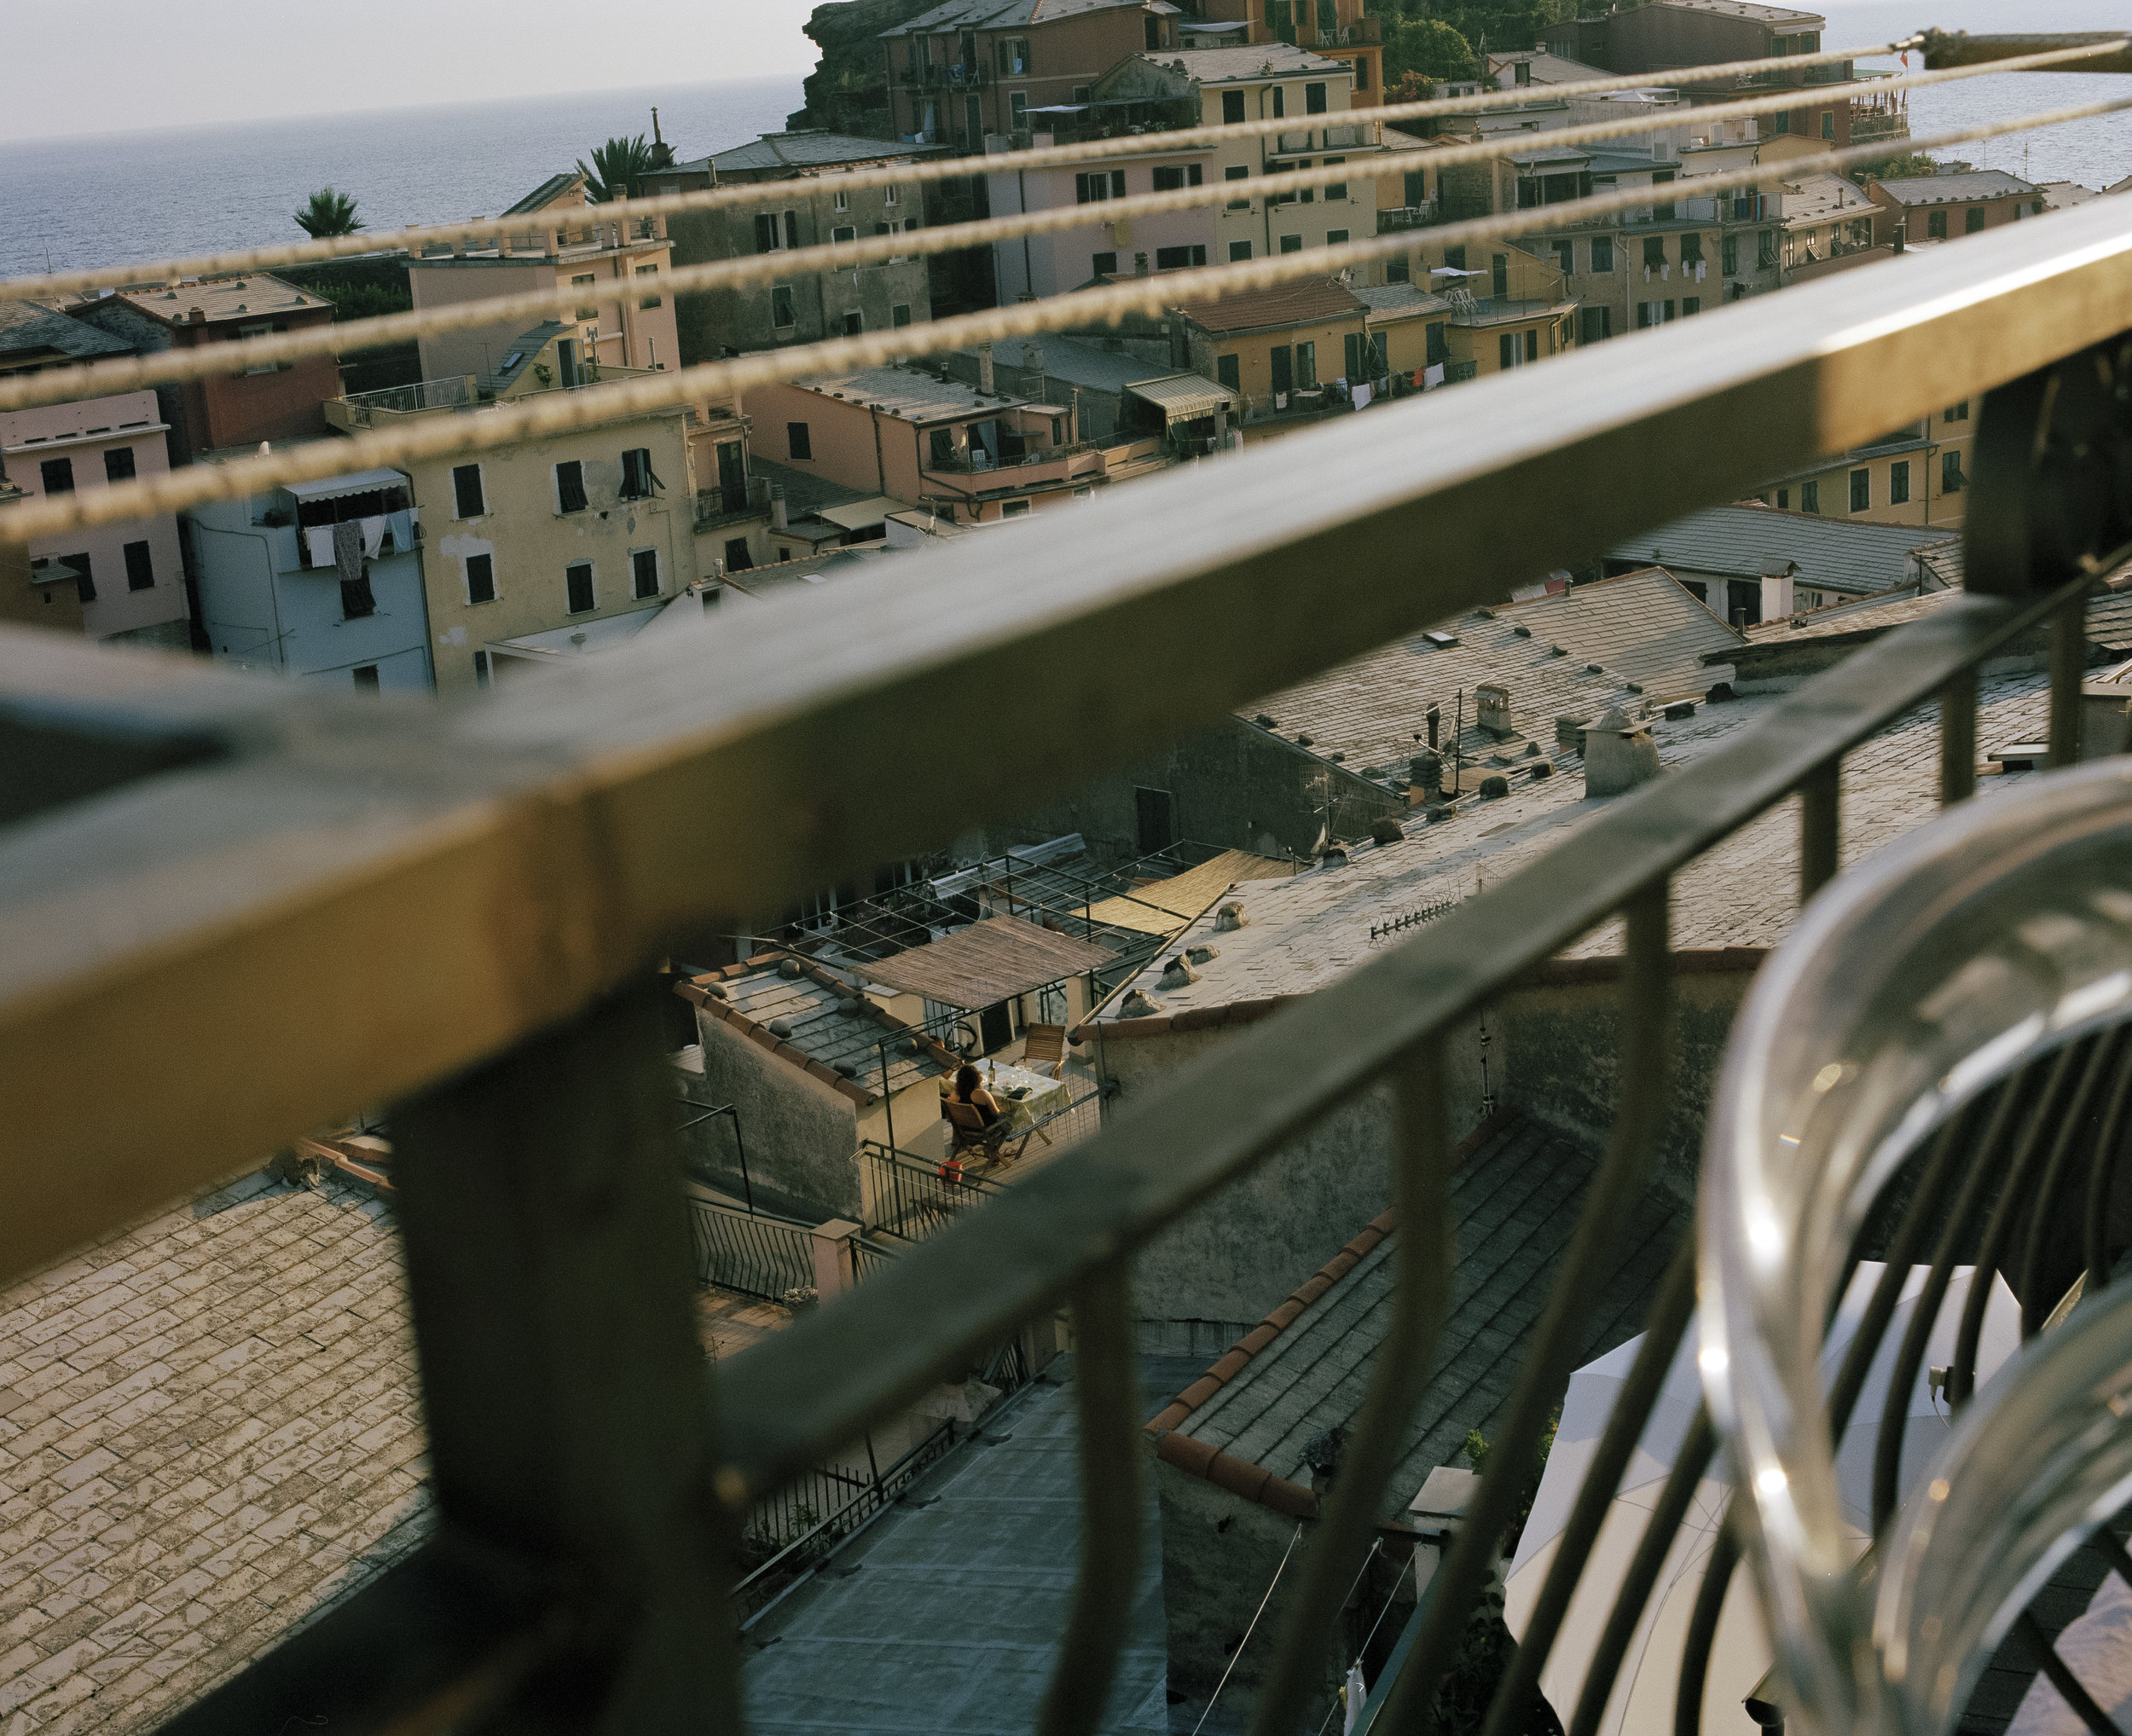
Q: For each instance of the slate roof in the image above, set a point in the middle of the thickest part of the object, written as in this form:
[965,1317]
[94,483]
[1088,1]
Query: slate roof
[1514,1202]
[1746,9]
[805,492]
[1075,360]
[254,295]
[1369,711]
[30,328]
[1307,931]
[1831,553]
[908,393]
[1245,62]
[808,149]
[1813,199]
[816,1022]
[1954,188]
[1547,68]
[1285,304]
[521,353]
[1398,301]
[546,194]
[994,15]
[2109,615]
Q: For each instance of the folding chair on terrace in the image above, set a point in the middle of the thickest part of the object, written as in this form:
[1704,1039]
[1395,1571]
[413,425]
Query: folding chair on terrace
[1044,1049]
[968,1132]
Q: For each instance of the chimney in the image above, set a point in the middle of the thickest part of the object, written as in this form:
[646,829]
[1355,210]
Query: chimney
[1619,755]
[777,506]
[1435,722]
[196,316]
[1776,587]
[1491,710]
[984,368]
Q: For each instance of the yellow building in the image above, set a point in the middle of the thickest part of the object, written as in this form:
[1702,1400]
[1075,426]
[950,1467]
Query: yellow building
[1279,349]
[1471,311]
[1918,474]
[548,536]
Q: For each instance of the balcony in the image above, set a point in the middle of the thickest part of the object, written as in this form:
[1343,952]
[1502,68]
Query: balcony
[729,505]
[372,409]
[484,887]
[1407,217]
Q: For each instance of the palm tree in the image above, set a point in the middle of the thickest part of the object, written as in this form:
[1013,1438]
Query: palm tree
[617,169]
[328,213]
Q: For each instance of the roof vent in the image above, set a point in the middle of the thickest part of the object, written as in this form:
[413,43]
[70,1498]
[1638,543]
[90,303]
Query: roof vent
[1442,641]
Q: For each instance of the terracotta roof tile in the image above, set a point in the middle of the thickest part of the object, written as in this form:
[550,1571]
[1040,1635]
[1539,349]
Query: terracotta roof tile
[1309,298]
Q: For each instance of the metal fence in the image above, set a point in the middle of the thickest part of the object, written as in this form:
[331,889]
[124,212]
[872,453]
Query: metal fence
[594,1486]
[752,1253]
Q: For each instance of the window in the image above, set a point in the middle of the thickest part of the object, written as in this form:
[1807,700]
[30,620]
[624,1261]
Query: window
[1566,257]
[1601,253]
[1439,348]
[1014,54]
[781,307]
[1177,258]
[481,578]
[1313,99]
[1305,365]
[1936,225]
[577,587]
[1336,237]
[1337,189]
[1416,191]
[1355,359]
[1810,497]
[1013,509]
[843,201]
[1654,252]
[1899,482]
[366,676]
[1228,372]
[1170,180]
[1507,350]
[644,571]
[888,195]
[1829,122]
[481,668]
[1955,412]
[139,567]
[1972,220]
[119,465]
[1231,107]
[1664,211]
[570,487]
[737,559]
[1239,249]
[900,315]
[1766,249]
[1454,258]
[1729,255]
[1499,276]
[1690,304]
[263,329]
[1362,75]
[1950,472]
[1598,323]
[1018,109]
[1155,813]
[1784,500]
[843,232]
[1099,184]
[796,442]
[770,236]
[1241,172]
[1291,244]
[1103,264]
[1080,96]
[638,481]
[1691,249]
[854,323]
[579,282]
[649,301]
[1861,490]
[1280,102]
[1398,270]
[466,491]
[58,474]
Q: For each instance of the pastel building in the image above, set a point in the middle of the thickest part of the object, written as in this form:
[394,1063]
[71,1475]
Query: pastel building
[111,582]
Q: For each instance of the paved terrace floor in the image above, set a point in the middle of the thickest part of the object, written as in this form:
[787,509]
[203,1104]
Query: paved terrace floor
[944,1614]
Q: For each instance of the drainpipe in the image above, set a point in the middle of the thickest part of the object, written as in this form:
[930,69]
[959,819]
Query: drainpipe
[1022,194]
[880,469]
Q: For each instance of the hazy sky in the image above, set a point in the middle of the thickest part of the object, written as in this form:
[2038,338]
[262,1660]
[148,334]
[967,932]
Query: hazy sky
[153,64]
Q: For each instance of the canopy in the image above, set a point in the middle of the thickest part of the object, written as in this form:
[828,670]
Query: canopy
[361,482]
[1184,397]
[861,514]
[989,962]
[1648,1683]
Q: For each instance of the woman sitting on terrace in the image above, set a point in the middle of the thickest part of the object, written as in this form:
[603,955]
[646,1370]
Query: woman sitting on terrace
[969,1088]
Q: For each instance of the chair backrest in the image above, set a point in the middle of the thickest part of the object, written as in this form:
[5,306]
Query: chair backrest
[1044,1042]
[964,1115]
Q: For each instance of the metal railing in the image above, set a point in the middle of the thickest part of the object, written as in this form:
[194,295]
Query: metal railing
[594,1486]
[908,1196]
[752,1253]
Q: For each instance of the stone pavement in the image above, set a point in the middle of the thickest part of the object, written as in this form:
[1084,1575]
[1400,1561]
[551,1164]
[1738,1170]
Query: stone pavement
[944,1615]
[209,1428]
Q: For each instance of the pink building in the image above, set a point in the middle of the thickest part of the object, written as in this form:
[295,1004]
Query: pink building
[129,578]
[1050,264]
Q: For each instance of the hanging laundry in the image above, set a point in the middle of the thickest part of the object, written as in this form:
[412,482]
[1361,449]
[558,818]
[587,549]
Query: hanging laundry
[402,524]
[348,551]
[1361,395]
[1433,376]
[1354,1696]
[318,546]
[373,535]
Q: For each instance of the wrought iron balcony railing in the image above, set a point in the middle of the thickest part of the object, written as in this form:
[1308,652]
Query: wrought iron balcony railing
[484,887]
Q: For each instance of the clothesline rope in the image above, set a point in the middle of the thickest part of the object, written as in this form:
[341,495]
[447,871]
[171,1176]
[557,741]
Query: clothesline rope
[59,283]
[1250,1630]
[130,373]
[506,425]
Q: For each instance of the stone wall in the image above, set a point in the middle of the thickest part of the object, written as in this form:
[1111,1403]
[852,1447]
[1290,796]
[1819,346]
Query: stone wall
[802,1138]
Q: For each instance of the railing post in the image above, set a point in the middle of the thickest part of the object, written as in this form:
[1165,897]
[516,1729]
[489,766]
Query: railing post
[2069,657]
[833,1273]
[1819,836]
[1958,739]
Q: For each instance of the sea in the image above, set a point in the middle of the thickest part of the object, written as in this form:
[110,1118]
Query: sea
[75,203]
[89,202]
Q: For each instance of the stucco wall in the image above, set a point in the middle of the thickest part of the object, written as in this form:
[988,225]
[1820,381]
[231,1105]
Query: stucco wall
[802,1137]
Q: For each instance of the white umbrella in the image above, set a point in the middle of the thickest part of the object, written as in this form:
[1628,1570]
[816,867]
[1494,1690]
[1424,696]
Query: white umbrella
[1644,1690]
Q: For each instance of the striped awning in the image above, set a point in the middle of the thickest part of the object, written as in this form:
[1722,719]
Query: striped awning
[1184,397]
